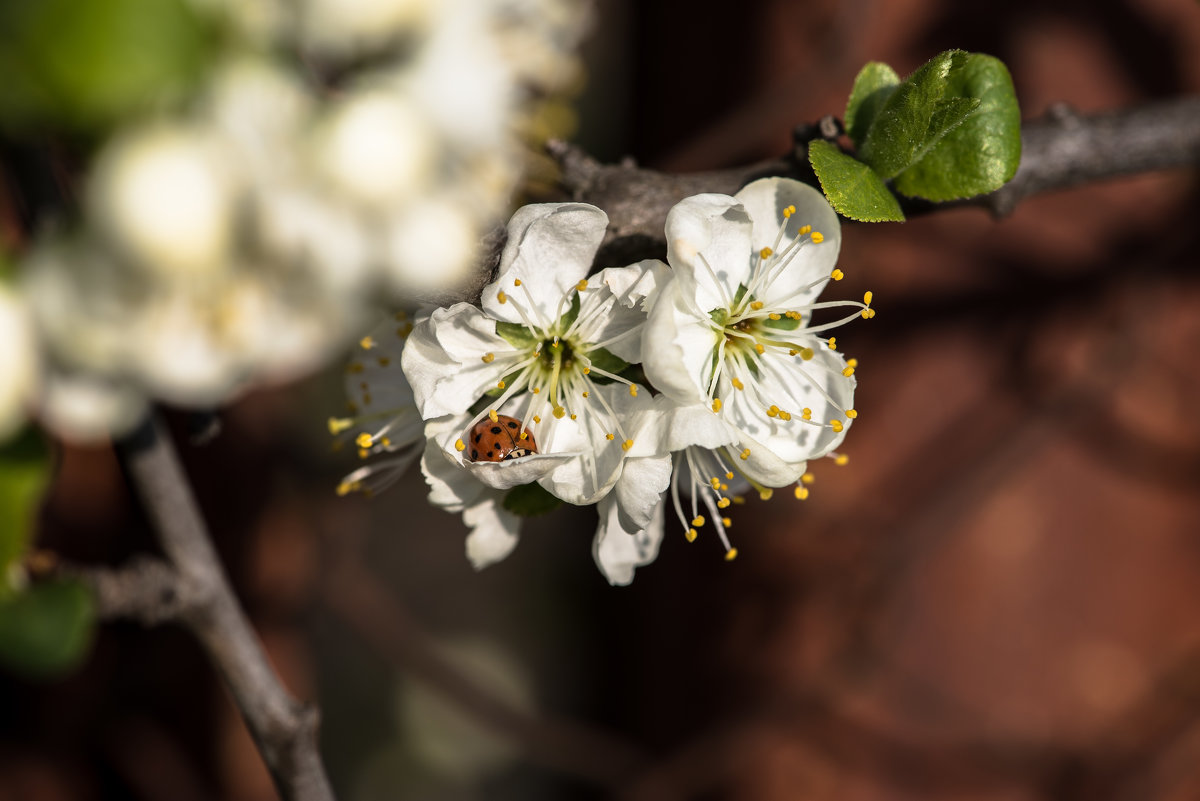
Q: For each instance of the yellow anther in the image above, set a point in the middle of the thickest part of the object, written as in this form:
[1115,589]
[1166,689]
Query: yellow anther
[626,445]
[792,351]
[723,503]
[841,459]
[404,330]
[587,370]
[731,554]
[573,417]
[745,454]
[537,419]
[806,413]
[459,445]
[524,435]
[609,437]
[354,368]
[765,253]
[582,285]
[765,493]
[364,440]
[500,296]
[729,475]
[386,442]
[724,487]
[836,425]
[851,413]
[867,314]
[837,275]
[852,362]
[347,487]
[727,521]
[804,230]
[536,390]
[801,493]
[384,361]
[554,344]
[339,424]
[774,316]
[488,358]
[691,535]
[807,478]
[516,282]
[806,354]
[716,406]
[773,411]
[715,482]
[849,371]
[818,237]
[585,393]
[738,501]
[832,343]
[698,521]
[756,305]
[788,212]
[492,414]
[500,385]
[363,453]
[785,416]
[737,383]
[867,297]
[633,390]
[366,343]
[759,349]
[559,412]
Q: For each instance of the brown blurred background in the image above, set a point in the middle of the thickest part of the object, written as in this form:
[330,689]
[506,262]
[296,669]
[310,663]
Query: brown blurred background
[998,598]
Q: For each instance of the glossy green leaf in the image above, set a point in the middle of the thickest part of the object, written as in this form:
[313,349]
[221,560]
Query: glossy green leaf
[852,187]
[530,500]
[981,154]
[24,472]
[46,630]
[915,117]
[87,63]
[873,86]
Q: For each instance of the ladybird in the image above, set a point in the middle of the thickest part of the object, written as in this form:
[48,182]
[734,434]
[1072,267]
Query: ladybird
[498,441]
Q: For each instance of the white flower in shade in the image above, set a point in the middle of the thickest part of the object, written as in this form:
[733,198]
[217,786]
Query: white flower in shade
[18,362]
[732,334]
[383,421]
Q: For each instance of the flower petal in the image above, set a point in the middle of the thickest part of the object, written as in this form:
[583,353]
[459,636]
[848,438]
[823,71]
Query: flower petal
[765,200]
[635,289]
[677,347]
[550,249]
[444,359]
[618,551]
[709,248]
[640,489]
[494,531]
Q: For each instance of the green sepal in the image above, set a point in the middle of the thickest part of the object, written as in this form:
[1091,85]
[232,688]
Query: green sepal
[530,500]
[782,324]
[46,630]
[569,317]
[516,335]
[852,188]
[603,359]
[874,85]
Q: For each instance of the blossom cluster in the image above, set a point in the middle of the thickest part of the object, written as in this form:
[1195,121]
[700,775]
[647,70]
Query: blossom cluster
[335,155]
[641,389]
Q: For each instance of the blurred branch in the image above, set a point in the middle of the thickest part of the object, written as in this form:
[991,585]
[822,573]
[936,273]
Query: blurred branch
[191,586]
[1059,150]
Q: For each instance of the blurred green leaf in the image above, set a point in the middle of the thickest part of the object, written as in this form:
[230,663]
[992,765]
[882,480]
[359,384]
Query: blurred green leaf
[87,63]
[24,472]
[853,188]
[529,500]
[873,86]
[915,117]
[981,154]
[46,630]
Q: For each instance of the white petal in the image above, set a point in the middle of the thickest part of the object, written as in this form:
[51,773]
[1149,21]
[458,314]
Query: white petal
[640,489]
[677,347]
[635,289]
[515,472]
[450,486]
[709,248]
[443,359]
[550,248]
[618,551]
[765,200]
[494,531]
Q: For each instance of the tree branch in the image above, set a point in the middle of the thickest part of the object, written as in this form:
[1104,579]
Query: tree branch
[191,586]
[1060,150]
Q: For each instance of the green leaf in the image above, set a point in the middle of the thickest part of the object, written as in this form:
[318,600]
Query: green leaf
[46,630]
[89,63]
[981,154]
[915,117]
[852,187]
[873,86]
[24,472]
[530,500]
[516,335]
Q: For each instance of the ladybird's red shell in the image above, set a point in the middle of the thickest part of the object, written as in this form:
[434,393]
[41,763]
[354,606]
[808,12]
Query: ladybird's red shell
[498,440]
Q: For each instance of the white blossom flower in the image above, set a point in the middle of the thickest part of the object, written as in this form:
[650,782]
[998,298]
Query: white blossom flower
[18,362]
[732,334]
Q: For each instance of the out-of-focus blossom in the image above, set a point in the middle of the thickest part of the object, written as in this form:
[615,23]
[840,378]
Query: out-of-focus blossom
[18,362]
